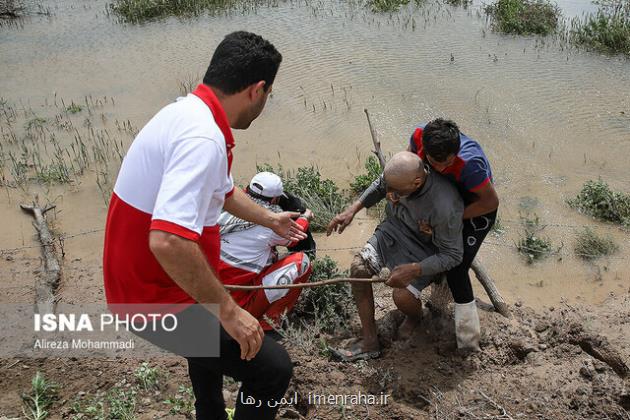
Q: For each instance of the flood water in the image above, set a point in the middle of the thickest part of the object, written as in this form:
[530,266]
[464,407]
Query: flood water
[549,117]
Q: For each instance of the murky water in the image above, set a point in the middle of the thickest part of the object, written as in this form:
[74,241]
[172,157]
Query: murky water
[548,117]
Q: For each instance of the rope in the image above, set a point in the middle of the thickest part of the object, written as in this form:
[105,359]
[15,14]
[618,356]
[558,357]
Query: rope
[351,248]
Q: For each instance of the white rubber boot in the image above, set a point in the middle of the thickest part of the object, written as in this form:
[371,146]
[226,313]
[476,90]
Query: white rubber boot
[467,327]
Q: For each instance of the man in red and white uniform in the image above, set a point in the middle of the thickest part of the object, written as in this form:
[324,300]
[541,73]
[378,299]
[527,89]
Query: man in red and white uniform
[249,256]
[162,239]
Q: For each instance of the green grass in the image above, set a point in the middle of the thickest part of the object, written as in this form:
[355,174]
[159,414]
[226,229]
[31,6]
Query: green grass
[147,377]
[74,108]
[138,11]
[386,6]
[122,403]
[331,306]
[40,398]
[372,172]
[182,403]
[524,17]
[320,195]
[463,3]
[596,199]
[532,245]
[590,246]
[607,31]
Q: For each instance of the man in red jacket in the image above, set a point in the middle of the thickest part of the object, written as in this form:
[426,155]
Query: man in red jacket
[162,239]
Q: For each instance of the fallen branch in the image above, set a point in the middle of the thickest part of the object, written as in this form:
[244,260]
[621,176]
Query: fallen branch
[491,289]
[46,284]
[601,350]
[307,285]
[481,273]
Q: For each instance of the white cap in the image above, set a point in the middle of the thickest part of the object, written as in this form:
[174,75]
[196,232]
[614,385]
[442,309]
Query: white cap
[266,184]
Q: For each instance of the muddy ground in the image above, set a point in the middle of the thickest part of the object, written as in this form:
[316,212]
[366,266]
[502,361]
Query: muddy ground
[540,364]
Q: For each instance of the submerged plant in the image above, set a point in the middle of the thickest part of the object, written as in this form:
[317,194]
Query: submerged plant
[524,17]
[533,246]
[138,11]
[590,246]
[596,199]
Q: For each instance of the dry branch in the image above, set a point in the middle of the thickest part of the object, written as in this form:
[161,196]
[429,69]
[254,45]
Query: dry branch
[46,284]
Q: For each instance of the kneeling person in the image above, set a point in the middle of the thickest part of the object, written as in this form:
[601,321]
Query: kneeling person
[420,237]
[249,256]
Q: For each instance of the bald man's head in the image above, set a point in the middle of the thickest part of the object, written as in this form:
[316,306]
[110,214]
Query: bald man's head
[404,173]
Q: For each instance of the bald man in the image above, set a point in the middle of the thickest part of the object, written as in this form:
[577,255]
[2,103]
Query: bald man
[420,237]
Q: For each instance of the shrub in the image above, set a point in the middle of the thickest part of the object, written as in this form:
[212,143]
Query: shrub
[138,11]
[596,199]
[590,246]
[524,17]
[322,196]
[373,171]
[608,30]
[331,306]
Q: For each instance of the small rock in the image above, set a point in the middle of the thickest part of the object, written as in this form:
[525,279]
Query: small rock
[543,346]
[521,348]
[9,258]
[587,373]
[146,401]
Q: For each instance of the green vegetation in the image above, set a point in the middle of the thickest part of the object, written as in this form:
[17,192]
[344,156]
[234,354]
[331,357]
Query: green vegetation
[182,403]
[590,246]
[39,399]
[533,246]
[608,30]
[331,306]
[91,409]
[524,17]
[122,403]
[138,11]
[463,3]
[322,196]
[74,108]
[596,199]
[386,6]
[372,172]
[147,377]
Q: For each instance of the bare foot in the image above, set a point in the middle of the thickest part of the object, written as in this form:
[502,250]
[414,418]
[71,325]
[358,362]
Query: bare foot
[405,331]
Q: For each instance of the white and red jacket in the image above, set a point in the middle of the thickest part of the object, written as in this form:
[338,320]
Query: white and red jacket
[248,249]
[174,178]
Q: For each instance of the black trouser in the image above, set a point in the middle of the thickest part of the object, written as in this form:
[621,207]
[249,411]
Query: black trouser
[265,378]
[475,231]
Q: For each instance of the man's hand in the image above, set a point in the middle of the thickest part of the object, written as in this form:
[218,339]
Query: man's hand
[243,328]
[402,275]
[308,214]
[284,225]
[343,219]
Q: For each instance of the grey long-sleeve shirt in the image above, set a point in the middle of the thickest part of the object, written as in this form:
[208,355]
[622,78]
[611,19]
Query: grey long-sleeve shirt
[402,236]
